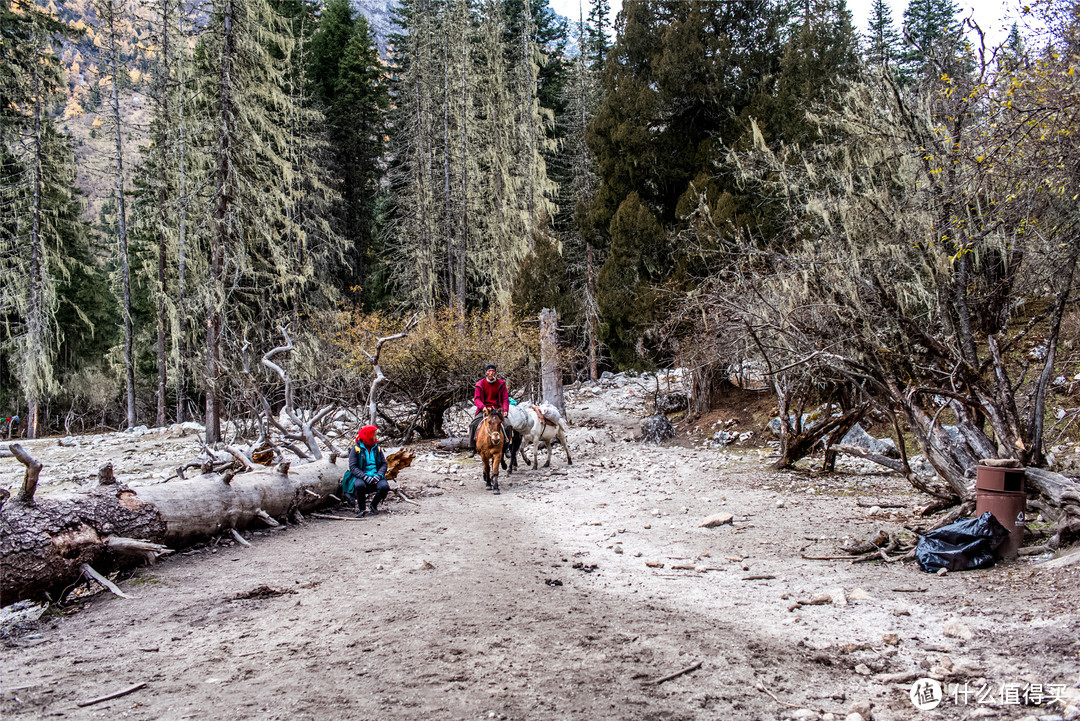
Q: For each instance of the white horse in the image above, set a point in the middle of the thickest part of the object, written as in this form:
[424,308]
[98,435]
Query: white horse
[533,429]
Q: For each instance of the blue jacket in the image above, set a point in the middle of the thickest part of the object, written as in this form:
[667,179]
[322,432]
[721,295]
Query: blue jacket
[364,461]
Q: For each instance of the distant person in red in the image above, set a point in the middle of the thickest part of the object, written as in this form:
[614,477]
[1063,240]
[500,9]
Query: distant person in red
[489,392]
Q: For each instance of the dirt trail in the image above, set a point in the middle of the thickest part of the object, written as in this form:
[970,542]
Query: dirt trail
[536,605]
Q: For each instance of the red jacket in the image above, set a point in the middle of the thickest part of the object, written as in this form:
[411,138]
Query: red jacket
[491,394]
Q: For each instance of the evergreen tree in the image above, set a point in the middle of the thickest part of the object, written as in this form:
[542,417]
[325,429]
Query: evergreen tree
[469,177]
[248,123]
[676,84]
[932,40]
[357,120]
[820,54]
[596,44]
[882,40]
[33,233]
[113,25]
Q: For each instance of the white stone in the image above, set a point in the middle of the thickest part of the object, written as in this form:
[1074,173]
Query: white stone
[956,629]
[804,714]
[838,597]
[862,708]
[858,595]
[716,519]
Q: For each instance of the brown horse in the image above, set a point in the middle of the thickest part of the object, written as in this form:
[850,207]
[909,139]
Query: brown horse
[489,444]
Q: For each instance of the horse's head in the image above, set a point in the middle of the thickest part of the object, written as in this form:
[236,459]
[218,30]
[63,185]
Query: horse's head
[492,425]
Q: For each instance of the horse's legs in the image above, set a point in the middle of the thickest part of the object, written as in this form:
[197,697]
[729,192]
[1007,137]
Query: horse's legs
[495,475]
[549,447]
[562,440]
[487,471]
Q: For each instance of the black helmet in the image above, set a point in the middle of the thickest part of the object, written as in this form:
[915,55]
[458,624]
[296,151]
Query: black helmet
[490,367]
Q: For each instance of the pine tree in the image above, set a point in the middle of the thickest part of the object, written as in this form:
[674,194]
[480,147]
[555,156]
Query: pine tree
[156,178]
[596,46]
[676,85]
[113,26]
[245,124]
[882,40]
[820,54]
[33,234]
[932,40]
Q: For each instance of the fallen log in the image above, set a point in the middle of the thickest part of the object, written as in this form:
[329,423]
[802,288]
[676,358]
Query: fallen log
[452,444]
[46,541]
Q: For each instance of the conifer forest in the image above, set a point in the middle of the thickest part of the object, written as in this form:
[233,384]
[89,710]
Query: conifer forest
[880,218]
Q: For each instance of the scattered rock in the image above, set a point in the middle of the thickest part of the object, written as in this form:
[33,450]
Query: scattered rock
[838,597]
[803,714]
[854,717]
[858,595]
[656,429]
[19,618]
[618,549]
[862,708]
[67,442]
[654,564]
[967,667]
[716,519]
[724,438]
[674,402]
[861,439]
[891,639]
[1071,713]
[863,670]
[956,629]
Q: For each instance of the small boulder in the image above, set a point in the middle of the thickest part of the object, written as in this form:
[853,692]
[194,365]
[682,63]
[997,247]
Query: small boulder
[862,708]
[803,714]
[858,595]
[859,438]
[656,429]
[716,519]
[674,402]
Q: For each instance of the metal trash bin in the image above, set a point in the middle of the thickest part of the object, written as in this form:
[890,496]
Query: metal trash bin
[1001,491]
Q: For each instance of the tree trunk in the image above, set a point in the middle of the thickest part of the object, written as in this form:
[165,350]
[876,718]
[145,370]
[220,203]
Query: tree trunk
[181,242]
[43,543]
[802,442]
[121,219]
[550,368]
[35,306]
[223,219]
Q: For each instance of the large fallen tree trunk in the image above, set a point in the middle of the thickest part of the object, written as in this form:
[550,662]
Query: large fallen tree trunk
[44,542]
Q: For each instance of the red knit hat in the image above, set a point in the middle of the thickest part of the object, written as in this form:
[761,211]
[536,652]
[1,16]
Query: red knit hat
[367,435]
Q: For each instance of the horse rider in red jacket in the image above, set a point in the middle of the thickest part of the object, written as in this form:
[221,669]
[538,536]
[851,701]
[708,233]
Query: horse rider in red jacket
[489,392]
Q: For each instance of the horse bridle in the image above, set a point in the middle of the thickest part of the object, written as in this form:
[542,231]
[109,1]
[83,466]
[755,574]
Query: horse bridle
[495,437]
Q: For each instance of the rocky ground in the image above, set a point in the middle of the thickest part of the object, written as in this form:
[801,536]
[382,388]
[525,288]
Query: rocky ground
[575,594]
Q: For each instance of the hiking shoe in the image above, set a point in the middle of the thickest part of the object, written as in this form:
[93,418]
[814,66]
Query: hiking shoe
[360,513]
[374,511]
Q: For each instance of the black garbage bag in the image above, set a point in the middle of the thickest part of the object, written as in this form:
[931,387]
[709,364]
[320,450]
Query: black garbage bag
[968,543]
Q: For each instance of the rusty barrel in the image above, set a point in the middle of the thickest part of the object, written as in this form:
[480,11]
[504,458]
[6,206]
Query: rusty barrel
[1001,491]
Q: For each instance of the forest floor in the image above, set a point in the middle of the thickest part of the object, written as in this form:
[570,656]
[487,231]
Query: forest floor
[561,598]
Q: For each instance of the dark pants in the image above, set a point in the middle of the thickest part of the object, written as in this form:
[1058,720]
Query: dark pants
[361,489]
